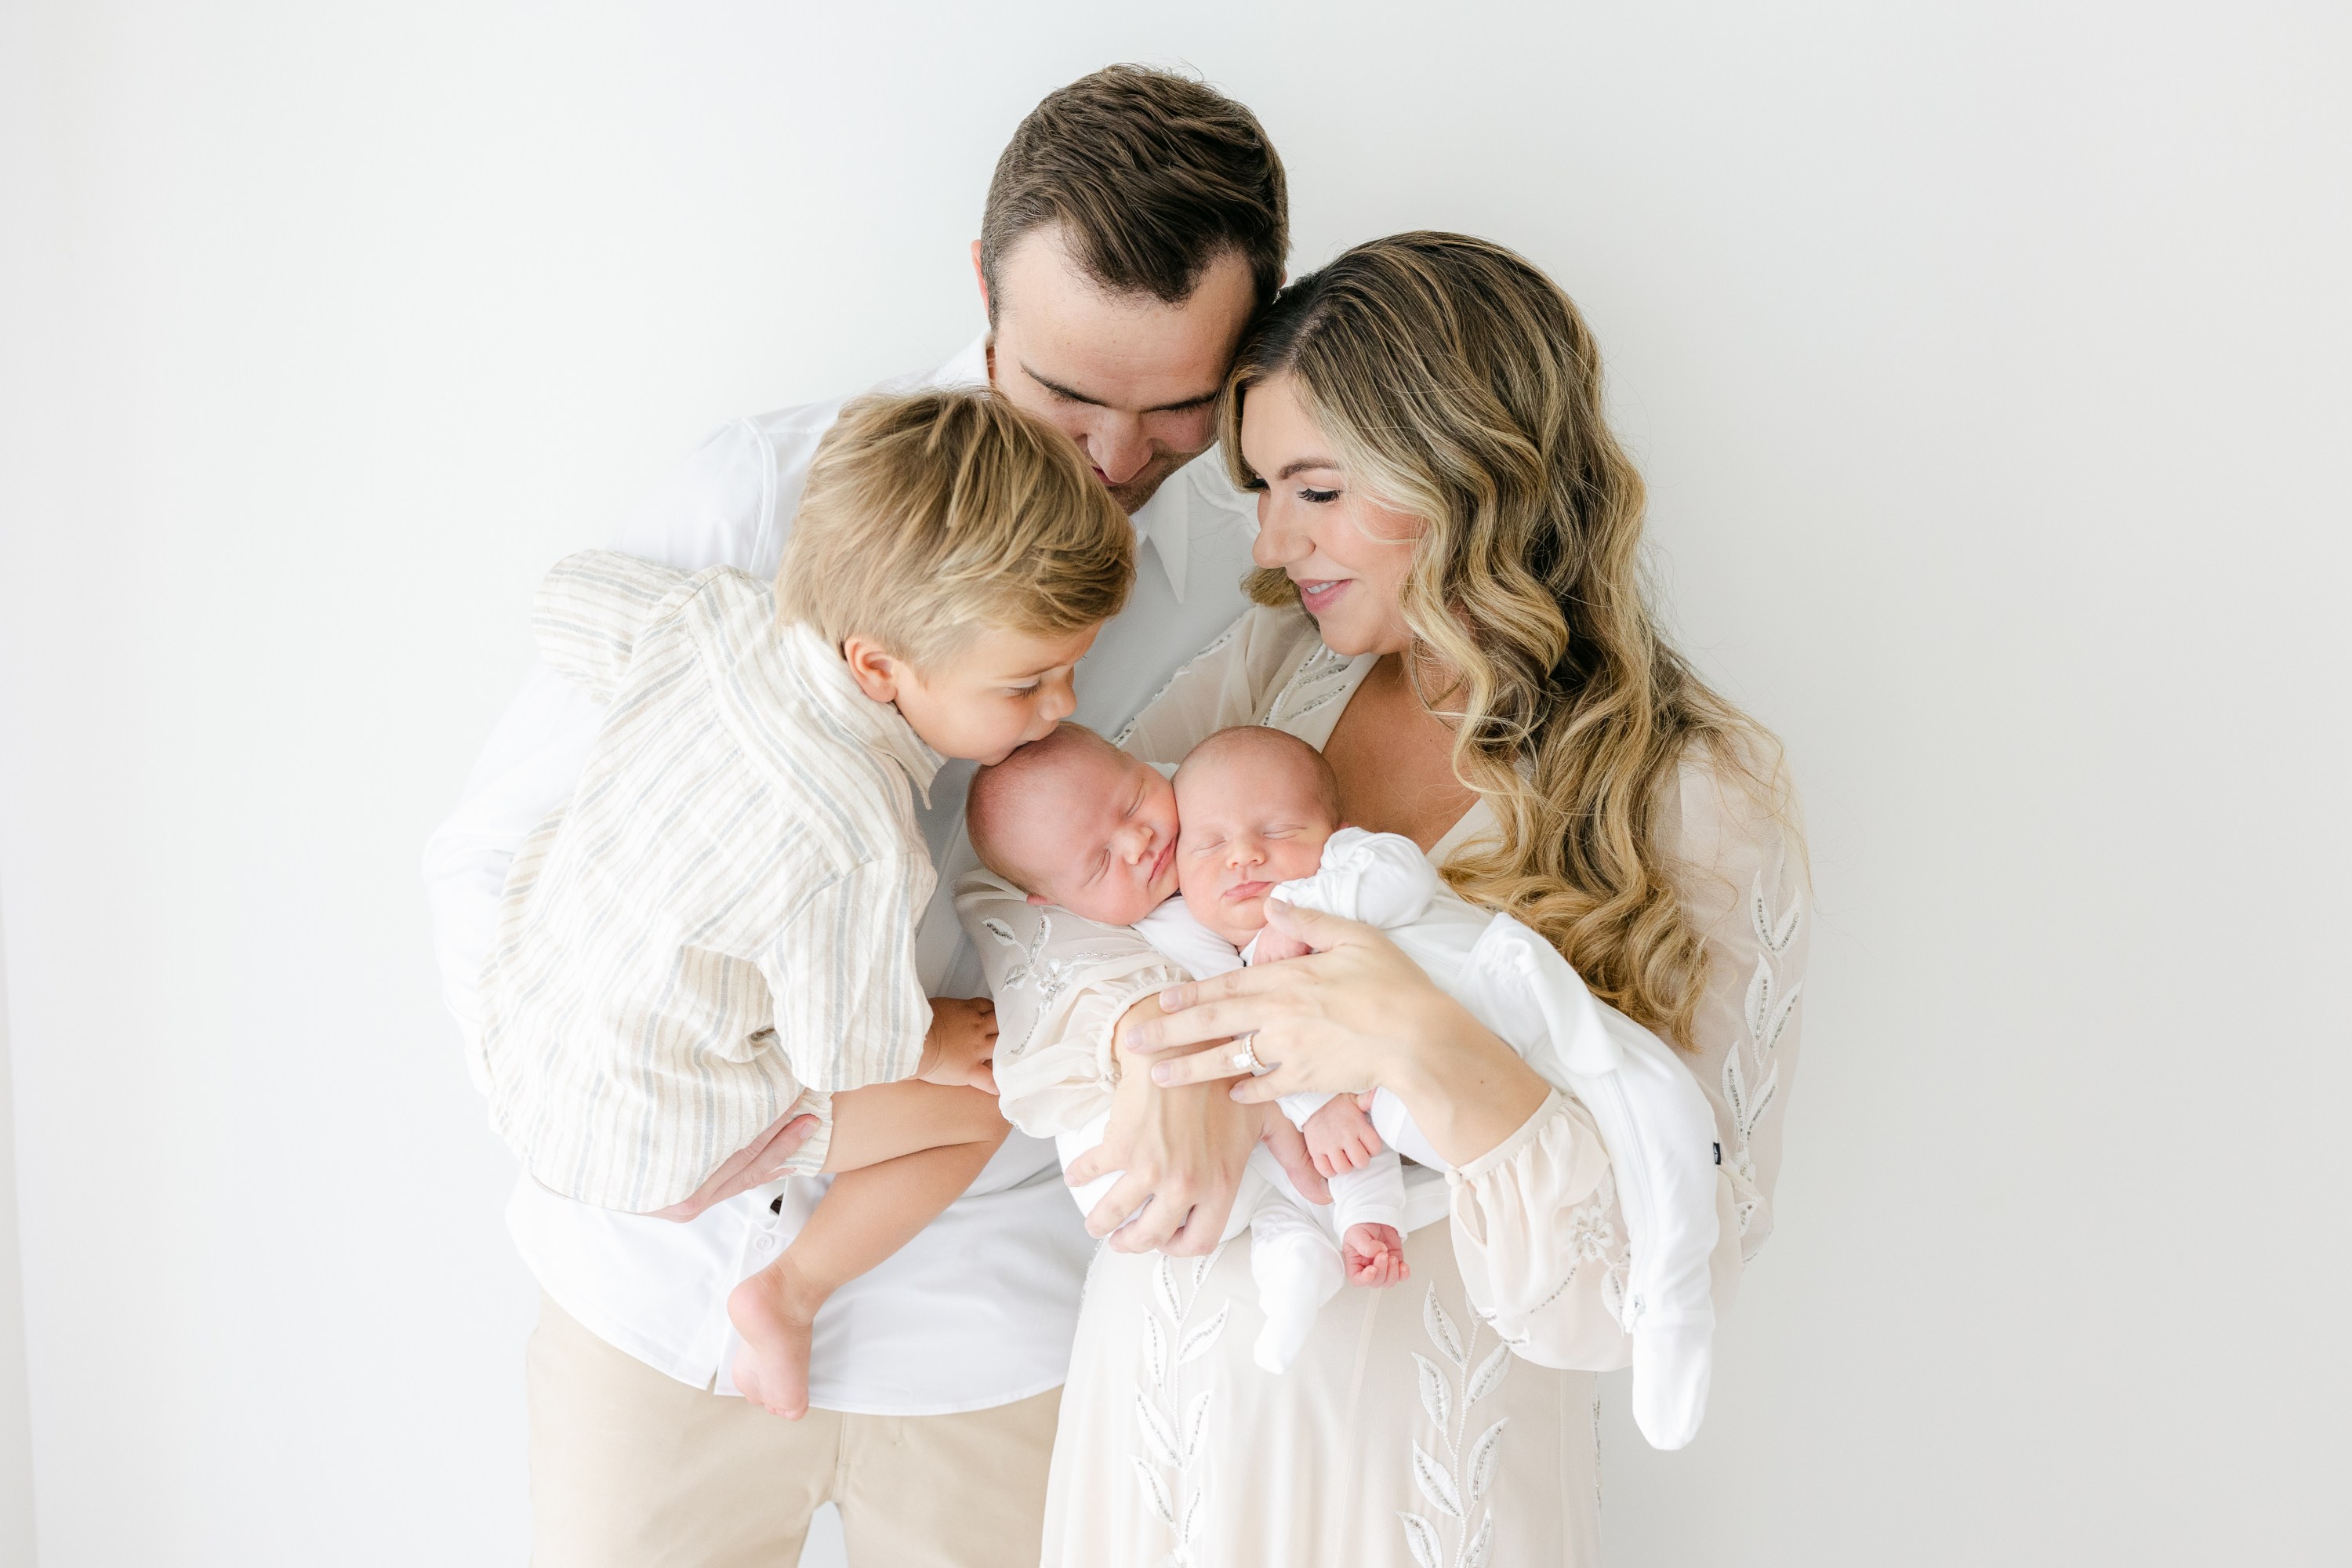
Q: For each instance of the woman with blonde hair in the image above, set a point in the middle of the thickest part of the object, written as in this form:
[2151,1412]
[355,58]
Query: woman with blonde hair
[1451,608]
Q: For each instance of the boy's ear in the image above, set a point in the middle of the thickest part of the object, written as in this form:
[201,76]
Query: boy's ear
[876,673]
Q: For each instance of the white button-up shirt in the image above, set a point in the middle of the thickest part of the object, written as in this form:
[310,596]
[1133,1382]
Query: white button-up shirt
[980,1309]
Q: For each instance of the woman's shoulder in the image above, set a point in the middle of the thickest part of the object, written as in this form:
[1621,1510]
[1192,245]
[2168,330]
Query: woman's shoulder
[1732,809]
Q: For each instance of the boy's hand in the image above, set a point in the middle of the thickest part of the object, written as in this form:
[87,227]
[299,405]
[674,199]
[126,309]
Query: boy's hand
[1274,946]
[1339,1137]
[1373,1255]
[960,1043]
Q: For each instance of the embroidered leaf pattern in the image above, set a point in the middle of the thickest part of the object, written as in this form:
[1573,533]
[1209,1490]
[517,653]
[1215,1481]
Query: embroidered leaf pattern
[1437,1394]
[1155,1352]
[1441,1329]
[1172,1447]
[1489,1375]
[1435,1483]
[1449,1488]
[1198,1342]
[1158,1433]
[1475,1554]
[1481,1465]
[1196,1422]
[1155,1492]
[1420,1540]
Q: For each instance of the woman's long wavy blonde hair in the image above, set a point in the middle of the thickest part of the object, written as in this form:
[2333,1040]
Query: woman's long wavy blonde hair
[1459,385]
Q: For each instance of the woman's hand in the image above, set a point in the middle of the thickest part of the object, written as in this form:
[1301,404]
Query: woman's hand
[1355,1014]
[1182,1152]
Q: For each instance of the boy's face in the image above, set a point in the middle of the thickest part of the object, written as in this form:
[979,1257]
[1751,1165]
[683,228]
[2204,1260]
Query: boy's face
[1097,835]
[1250,822]
[999,691]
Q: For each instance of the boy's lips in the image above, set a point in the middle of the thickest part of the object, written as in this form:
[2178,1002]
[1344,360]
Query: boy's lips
[1240,890]
[1160,866]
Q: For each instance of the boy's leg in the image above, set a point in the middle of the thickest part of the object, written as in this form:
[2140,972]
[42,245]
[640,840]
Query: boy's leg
[629,1466]
[883,1194]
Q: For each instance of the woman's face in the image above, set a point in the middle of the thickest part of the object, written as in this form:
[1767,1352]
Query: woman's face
[1348,554]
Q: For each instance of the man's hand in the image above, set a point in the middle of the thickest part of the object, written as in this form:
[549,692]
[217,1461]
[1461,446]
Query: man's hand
[961,1043]
[1339,1137]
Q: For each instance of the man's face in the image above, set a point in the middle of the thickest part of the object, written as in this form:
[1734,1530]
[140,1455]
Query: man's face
[1131,379]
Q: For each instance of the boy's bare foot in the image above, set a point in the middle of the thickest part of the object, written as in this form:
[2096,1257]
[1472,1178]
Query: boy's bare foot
[773,1311]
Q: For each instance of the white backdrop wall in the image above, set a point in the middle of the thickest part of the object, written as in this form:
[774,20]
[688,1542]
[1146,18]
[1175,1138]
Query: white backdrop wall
[1986,359]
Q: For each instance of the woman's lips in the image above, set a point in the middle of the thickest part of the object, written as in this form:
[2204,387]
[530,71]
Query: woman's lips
[1319,595]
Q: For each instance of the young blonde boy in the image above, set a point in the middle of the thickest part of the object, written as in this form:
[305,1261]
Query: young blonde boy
[717,934]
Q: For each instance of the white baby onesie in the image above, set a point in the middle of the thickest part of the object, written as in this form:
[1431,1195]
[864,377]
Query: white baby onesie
[1659,1132]
[1294,1244]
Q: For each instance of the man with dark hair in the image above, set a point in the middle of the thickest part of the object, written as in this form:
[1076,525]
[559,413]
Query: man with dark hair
[1133,224]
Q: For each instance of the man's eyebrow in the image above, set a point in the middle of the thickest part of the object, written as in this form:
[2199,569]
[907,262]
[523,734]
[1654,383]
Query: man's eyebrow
[1075,396]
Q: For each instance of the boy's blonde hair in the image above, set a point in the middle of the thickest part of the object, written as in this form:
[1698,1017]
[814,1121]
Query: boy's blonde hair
[928,517]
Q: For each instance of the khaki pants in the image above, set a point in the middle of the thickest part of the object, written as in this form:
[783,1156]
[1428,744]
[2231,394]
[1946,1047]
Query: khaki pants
[631,1468]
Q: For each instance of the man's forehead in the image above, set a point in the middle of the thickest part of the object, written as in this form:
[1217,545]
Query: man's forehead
[1131,351]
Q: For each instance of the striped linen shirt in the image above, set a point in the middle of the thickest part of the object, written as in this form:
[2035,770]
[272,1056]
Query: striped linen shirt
[720,925]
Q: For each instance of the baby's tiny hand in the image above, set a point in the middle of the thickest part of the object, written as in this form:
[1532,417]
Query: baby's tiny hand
[960,1043]
[1374,1256]
[1274,946]
[1340,1137]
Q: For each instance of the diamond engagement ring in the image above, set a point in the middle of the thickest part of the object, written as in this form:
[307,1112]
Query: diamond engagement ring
[1245,1057]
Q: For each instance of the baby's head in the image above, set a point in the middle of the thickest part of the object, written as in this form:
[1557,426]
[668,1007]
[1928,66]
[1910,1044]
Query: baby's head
[961,555]
[1257,805]
[1073,820]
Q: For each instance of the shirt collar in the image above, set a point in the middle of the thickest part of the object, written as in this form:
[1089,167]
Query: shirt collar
[877,726]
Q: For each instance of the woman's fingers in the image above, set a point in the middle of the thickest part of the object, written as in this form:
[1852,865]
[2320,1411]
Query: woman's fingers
[1125,1199]
[1201,1066]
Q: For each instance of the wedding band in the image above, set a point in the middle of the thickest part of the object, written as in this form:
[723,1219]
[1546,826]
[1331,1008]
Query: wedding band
[1245,1057]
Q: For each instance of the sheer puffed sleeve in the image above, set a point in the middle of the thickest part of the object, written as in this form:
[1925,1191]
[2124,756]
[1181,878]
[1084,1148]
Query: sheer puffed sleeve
[1536,1227]
[1062,983]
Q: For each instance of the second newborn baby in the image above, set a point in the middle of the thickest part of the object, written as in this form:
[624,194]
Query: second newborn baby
[1190,864]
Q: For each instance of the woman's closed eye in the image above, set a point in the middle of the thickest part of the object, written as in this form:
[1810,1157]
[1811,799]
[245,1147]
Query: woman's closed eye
[1318,497]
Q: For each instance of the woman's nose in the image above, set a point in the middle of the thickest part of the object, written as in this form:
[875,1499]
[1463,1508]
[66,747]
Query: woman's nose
[1277,543]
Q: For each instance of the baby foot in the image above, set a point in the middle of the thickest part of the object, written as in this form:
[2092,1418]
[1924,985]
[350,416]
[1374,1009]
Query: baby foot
[773,1311]
[1374,1256]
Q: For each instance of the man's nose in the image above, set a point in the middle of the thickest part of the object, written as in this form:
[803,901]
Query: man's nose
[1118,447]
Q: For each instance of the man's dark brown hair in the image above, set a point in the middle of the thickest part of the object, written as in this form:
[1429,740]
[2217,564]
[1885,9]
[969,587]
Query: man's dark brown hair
[1151,176]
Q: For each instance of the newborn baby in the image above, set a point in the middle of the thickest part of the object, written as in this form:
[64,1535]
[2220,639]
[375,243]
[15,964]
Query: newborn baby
[1254,814]
[1073,820]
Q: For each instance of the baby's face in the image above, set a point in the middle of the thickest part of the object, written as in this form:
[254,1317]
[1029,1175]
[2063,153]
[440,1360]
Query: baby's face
[1249,823]
[1097,835]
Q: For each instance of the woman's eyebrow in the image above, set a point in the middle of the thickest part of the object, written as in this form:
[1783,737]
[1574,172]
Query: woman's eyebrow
[1304,464]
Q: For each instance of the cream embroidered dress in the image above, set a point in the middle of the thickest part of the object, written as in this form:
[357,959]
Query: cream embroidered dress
[1449,1421]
